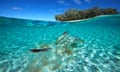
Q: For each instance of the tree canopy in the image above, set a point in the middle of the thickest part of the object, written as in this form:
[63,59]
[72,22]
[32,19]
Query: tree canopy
[74,14]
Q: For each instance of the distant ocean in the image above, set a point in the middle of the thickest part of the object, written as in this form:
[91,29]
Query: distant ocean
[100,51]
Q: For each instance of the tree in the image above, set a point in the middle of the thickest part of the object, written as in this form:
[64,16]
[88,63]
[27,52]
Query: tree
[110,11]
[74,14]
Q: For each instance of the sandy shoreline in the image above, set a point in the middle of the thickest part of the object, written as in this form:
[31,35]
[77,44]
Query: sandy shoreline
[76,20]
[85,19]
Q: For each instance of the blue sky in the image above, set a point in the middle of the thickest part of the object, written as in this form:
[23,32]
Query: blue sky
[47,9]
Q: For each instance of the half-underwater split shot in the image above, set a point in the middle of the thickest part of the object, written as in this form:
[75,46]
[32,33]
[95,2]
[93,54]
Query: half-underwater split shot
[59,36]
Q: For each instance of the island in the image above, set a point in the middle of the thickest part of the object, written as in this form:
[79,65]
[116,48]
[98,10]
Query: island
[75,14]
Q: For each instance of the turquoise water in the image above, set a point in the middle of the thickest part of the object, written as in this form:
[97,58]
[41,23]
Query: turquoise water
[99,51]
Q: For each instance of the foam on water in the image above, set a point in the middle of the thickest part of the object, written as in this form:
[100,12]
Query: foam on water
[100,51]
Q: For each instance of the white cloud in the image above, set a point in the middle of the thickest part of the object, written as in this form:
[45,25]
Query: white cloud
[88,1]
[62,2]
[78,2]
[56,11]
[17,8]
[53,11]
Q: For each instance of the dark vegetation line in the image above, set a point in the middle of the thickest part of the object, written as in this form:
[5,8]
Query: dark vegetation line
[75,14]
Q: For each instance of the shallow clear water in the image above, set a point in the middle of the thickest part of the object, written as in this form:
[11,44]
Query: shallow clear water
[100,51]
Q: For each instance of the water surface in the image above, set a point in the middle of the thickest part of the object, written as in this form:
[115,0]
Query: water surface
[100,51]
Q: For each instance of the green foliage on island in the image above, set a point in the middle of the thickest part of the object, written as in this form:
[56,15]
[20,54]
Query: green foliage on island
[74,14]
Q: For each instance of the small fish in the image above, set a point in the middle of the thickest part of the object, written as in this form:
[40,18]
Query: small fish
[40,50]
